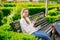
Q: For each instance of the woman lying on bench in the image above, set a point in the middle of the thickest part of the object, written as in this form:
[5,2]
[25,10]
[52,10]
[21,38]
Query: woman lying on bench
[28,27]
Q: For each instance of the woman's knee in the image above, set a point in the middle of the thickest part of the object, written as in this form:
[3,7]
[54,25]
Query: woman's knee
[47,37]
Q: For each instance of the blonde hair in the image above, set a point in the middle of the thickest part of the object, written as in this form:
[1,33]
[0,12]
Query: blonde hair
[23,11]
[22,15]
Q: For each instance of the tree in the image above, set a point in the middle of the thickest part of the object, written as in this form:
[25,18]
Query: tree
[58,1]
[30,0]
[46,11]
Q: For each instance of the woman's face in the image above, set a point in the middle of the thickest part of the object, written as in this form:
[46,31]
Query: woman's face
[25,13]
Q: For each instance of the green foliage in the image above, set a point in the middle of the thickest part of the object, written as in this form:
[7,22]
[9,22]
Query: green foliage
[6,31]
[16,15]
[53,0]
[6,27]
[35,10]
[51,19]
[1,17]
[4,20]
[6,10]
[9,35]
[9,5]
[53,14]
[30,4]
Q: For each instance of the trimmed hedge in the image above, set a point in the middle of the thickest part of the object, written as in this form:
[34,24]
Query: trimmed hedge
[53,12]
[17,16]
[6,27]
[52,15]
[6,10]
[33,11]
[9,5]
[53,0]
[6,33]
[4,20]
[9,35]
[51,19]
[1,17]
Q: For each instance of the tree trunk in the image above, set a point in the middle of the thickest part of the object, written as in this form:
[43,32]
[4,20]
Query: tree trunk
[58,1]
[46,11]
[30,0]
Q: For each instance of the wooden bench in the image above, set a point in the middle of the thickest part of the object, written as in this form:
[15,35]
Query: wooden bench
[58,9]
[16,24]
[40,21]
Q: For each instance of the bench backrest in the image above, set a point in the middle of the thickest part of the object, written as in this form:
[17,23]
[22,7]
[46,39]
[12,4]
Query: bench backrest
[58,8]
[16,24]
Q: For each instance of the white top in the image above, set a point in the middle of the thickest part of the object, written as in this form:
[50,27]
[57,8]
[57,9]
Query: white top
[28,28]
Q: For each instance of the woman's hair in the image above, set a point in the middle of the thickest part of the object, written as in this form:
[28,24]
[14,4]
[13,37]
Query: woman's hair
[23,11]
[24,17]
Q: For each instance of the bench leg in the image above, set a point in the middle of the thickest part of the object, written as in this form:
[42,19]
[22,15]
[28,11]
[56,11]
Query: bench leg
[58,38]
[53,35]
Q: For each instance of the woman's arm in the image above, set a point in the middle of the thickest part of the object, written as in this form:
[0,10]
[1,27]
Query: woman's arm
[24,26]
[38,27]
[32,24]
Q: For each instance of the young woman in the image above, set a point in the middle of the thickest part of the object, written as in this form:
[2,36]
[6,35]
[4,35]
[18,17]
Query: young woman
[28,27]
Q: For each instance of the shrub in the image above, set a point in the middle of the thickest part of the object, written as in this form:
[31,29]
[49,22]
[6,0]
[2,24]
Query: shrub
[4,20]
[9,35]
[53,0]
[6,10]
[53,12]
[9,5]
[51,19]
[1,17]
[50,8]
[6,27]
[31,12]
[35,10]
[16,15]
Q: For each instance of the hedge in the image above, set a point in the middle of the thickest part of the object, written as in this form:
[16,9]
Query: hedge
[6,33]
[52,15]
[53,12]
[6,10]
[1,17]
[30,4]
[51,19]
[9,35]
[6,27]
[53,0]
[16,12]
[9,5]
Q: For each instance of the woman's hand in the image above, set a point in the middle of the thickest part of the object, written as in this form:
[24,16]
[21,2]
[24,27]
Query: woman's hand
[33,22]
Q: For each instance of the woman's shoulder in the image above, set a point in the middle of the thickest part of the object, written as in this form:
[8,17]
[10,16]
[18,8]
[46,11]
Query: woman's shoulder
[21,19]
